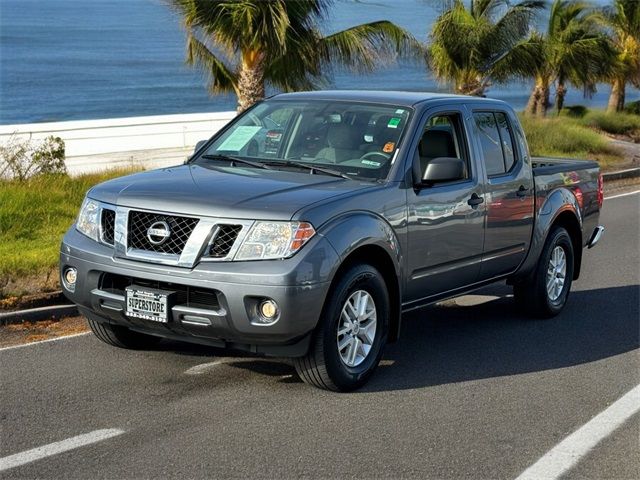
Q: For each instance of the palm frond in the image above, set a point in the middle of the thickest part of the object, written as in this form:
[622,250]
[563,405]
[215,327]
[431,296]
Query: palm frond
[524,58]
[220,77]
[364,46]
[623,20]
[472,45]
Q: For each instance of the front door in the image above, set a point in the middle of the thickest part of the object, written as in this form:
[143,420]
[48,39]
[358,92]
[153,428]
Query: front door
[446,220]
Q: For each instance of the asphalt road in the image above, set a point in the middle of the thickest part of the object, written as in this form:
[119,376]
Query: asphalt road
[468,392]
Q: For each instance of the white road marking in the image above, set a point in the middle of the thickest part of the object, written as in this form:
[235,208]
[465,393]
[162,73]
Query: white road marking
[622,195]
[569,451]
[204,367]
[65,337]
[72,443]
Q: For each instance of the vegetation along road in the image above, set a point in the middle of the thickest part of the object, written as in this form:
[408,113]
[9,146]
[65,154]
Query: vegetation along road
[479,392]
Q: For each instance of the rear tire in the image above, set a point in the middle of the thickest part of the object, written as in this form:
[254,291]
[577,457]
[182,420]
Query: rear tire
[122,337]
[362,333]
[545,293]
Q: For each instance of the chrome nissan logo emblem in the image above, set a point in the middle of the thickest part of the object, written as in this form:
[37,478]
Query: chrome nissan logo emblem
[158,233]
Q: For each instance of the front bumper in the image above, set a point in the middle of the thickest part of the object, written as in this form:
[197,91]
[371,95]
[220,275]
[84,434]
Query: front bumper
[233,290]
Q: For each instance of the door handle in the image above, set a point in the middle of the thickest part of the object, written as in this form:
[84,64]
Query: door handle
[522,191]
[475,200]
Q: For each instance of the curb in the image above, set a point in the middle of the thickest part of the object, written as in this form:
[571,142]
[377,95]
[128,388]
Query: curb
[40,313]
[621,174]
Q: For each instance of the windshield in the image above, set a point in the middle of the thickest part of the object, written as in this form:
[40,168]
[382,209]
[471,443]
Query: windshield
[357,140]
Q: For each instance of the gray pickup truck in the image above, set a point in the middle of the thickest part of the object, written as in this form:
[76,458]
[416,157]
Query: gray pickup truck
[309,224]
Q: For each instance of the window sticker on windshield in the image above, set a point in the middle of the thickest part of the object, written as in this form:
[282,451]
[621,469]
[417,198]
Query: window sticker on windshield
[370,162]
[274,135]
[394,122]
[399,111]
[388,147]
[239,138]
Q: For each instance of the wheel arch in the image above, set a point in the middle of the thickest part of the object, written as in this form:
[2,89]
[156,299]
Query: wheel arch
[378,258]
[560,208]
[366,238]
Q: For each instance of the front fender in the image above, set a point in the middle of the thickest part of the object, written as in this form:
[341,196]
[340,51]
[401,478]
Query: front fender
[353,230]
[549,208]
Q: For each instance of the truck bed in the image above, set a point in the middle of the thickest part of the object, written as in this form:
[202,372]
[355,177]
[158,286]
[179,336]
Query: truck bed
[580,177]
[550,165]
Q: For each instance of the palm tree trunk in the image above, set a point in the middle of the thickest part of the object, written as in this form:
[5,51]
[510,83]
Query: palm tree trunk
[561,92]
[473,84]
[477,90]
[546,94]
[533,102]
[250,80]
[542,100]
[616,98]
[539,99]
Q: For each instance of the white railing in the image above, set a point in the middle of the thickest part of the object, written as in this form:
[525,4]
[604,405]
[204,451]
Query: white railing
[93,145]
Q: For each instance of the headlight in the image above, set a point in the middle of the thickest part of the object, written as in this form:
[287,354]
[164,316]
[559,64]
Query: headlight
[88,219]
[270,240]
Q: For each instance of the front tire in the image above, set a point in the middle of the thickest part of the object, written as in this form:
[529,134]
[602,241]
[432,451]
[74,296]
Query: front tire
[349,340]
[121,337]
[545,294]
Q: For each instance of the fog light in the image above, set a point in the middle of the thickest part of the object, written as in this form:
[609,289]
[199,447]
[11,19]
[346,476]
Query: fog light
[269,310]
[69,278]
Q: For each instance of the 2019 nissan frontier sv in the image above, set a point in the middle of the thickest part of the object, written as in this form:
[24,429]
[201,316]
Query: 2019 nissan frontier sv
[311,222]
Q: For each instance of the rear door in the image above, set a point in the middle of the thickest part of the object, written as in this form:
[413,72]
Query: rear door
[446,220]
[509,190]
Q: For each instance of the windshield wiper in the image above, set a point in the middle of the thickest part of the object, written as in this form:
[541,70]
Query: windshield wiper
[234,160]
[312,168]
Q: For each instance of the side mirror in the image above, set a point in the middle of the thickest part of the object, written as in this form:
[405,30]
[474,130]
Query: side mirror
[199,145]
[444,169]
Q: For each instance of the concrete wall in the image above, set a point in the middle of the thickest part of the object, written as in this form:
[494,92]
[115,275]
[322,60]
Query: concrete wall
[93,145]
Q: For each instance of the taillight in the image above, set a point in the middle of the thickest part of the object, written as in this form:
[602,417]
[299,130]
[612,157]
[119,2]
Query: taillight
[600,191]
[578,193]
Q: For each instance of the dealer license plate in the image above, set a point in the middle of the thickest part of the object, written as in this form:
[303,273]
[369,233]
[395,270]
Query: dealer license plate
[146,304]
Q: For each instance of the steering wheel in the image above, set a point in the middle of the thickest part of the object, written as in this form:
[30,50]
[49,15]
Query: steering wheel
[369,155]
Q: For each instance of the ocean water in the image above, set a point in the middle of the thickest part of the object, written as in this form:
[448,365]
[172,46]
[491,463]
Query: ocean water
[73,59]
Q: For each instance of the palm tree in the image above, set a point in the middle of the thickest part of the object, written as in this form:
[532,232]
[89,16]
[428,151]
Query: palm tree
[573,50]
[245,45]
[472,45]
[623,19]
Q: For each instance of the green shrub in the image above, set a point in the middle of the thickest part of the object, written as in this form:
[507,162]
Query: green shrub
[575,111]
[614,123]
[21,159]
[633,108]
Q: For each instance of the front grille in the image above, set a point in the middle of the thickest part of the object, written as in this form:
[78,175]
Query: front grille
[185,295]
[180,230]
[224,240]
[108,222]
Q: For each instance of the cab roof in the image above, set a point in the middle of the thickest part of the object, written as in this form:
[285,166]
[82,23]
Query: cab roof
[379,96]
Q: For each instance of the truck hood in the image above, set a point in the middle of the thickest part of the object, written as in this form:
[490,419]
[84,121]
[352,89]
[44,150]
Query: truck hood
[228,192]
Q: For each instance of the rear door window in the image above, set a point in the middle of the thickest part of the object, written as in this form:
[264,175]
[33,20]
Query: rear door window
[490,142]
[507,140]
[496,141]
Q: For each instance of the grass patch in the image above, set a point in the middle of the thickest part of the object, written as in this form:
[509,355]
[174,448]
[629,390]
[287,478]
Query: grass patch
[614,123]
[34,215]
[570,138]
